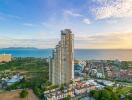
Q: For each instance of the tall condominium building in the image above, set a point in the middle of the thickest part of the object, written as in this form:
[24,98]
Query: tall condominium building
[5,57]
[61,65]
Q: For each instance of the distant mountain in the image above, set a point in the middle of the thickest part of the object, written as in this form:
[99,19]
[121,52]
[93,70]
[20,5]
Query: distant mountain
[21,48]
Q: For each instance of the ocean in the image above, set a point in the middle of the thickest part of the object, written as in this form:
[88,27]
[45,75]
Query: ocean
[81,54]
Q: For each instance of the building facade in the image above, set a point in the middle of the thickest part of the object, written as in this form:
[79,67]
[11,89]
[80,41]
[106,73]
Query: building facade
[129,69]
[61,67]
[5,57]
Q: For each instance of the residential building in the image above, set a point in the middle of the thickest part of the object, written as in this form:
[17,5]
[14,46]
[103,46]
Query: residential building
[57,94]
[129,70]
[5,57]
[62,62]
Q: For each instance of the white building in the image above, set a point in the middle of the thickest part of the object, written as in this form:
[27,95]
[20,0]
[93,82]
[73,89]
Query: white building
[12,80]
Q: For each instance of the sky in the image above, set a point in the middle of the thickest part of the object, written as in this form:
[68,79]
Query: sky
[96,24]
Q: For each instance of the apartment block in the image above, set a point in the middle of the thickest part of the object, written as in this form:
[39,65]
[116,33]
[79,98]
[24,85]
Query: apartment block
[61,65]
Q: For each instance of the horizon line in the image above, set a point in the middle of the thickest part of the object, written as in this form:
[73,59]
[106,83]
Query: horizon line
[74,48]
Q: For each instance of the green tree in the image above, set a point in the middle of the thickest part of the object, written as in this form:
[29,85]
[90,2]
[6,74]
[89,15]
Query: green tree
[92,93]
[106,94]
[62,87]
[124,64]
[128,98]
[67,98]
[23,93]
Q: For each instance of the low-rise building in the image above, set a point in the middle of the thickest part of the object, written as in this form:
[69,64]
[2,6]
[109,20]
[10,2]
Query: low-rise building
[11,80]
[5,57]
[58,94]
[105,82]
[84,89]
[129,70]
[99,75]
[14,79]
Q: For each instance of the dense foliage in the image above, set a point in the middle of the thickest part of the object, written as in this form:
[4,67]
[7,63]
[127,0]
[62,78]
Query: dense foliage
[23,93]
[110,93]
[28,63]
[124,64]
[67,98]
[34,70]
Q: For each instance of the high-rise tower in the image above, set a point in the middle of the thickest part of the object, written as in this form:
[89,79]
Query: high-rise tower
[62,62]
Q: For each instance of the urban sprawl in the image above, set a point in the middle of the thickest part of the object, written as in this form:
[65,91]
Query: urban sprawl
[70,78]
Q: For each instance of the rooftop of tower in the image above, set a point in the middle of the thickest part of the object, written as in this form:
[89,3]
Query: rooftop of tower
[66,31]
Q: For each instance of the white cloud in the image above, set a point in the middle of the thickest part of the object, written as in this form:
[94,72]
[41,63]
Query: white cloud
[38,43]
[112,21]
[14,16]
[71,13]
[109,40]
[86,21]
[113,8]
[9,16]
[29,24]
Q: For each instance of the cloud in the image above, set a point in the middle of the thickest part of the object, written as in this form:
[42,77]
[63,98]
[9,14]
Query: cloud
[71,13]
[109,41]
[99,41]
[38,43]
[29,24]
[86,21]
[9,16]
[112,21]
[112,9]
[14,16]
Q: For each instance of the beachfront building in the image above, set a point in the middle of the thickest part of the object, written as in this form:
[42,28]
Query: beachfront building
[61,67]
[5,57]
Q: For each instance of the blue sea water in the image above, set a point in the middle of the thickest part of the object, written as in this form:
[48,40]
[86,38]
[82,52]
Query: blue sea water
[85,54]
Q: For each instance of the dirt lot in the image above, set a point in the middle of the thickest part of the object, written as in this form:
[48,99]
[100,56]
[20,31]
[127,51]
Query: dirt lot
[14,95]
